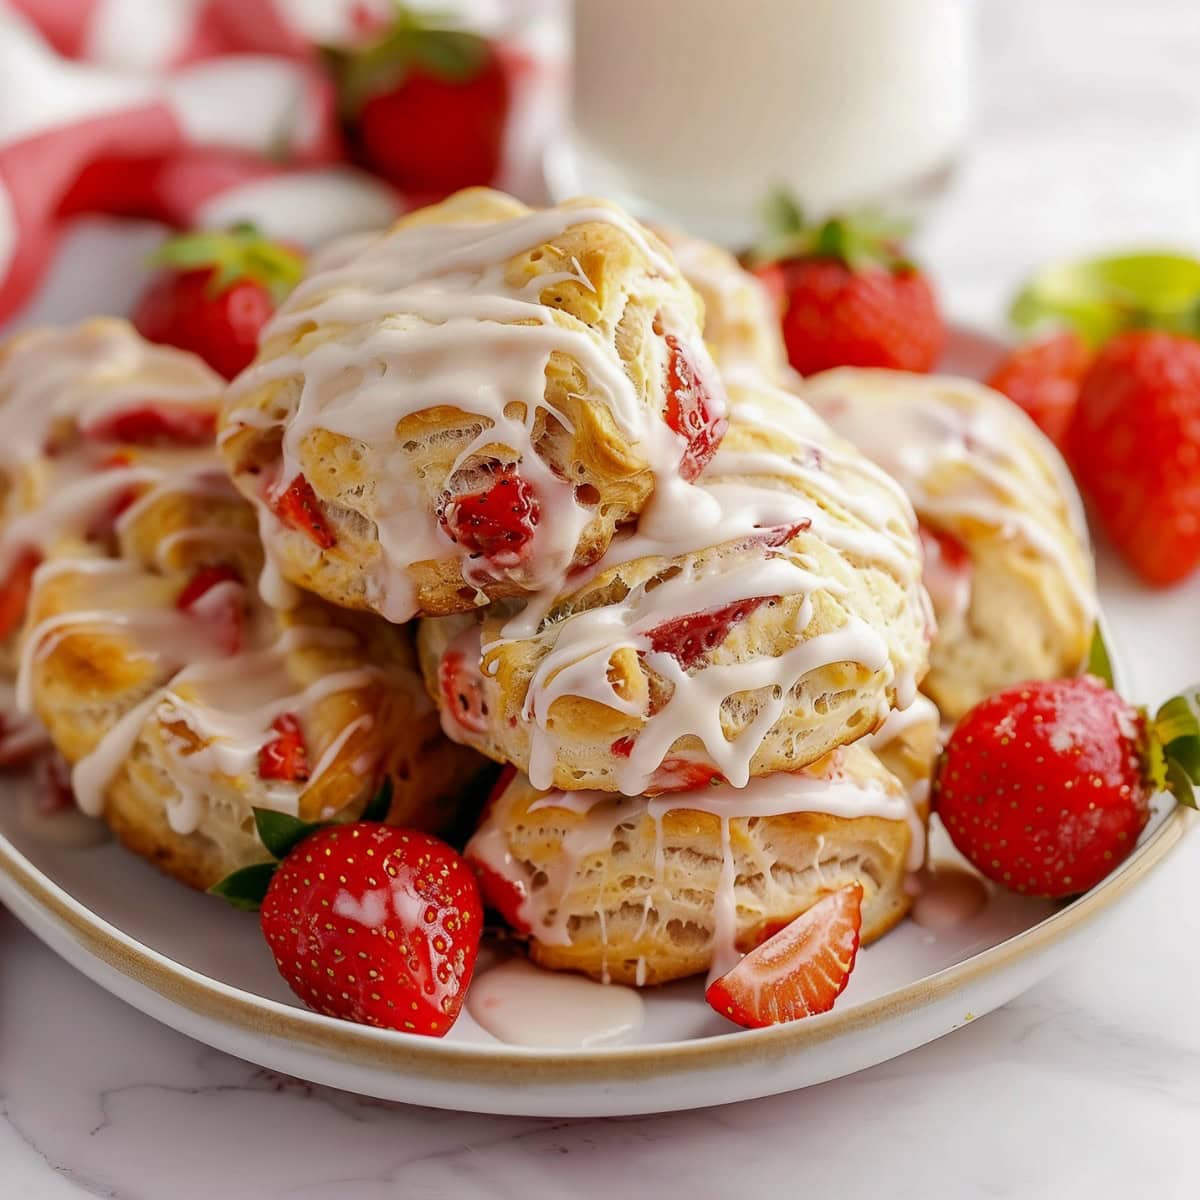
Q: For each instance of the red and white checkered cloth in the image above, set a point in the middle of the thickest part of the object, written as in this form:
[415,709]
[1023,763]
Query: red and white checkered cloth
[160,109]
[205,112]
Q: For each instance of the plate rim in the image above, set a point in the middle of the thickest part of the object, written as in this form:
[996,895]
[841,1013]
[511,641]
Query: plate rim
[482,1063]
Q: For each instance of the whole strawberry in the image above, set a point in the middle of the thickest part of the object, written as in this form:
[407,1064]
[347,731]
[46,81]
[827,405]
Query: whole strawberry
[366,921]
[1045,787]
[1134,444]
[1043,377]
[216,292]
[847,297]
[428,105]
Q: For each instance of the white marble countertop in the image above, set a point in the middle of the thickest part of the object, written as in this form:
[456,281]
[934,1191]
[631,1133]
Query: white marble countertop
[1089,1086]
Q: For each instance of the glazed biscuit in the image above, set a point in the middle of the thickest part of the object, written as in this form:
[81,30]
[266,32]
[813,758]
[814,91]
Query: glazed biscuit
[1008,565]
[780,618]
[644,891]
[466,408]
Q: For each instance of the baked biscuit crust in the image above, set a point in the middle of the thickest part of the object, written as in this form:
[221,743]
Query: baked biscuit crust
[990,489]
[475,401]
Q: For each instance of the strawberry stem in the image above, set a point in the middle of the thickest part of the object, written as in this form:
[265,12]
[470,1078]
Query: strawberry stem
[861,240]
[429,41]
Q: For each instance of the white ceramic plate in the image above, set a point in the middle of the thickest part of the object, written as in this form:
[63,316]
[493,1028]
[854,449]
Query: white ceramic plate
[204,969]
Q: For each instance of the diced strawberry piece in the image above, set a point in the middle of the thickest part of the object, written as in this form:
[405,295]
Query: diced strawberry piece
[53,793]
[496,523]
[688,639]
[683,775]
[948,571]
[690,411]
[799,971]
[622,747]
[285,757]
[155,425]
[14,595]
[21,738]
[298,508]
[226,612]
[506,896]
[462,692]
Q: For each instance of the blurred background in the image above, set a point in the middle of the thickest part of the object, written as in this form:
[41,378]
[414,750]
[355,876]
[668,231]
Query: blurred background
[1019,132]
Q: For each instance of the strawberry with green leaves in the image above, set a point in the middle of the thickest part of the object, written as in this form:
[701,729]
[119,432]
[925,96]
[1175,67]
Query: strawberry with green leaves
[215,293]
[367,922]
[847,296]
[1132,432]
[427,104]
[1046,786]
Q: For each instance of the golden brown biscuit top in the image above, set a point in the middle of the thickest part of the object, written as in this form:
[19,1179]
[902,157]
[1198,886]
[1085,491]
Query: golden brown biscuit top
[468,315]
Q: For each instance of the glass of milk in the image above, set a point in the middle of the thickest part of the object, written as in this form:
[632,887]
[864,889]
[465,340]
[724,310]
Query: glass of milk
[691,111]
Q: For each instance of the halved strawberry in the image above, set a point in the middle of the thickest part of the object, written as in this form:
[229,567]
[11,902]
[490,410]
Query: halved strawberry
[689,411]
[497,522]
[462,691]
[155,425]
[297,507]
[14,595]
[948,571]
[687,639]
[285,757]
[226,613]
[799,971]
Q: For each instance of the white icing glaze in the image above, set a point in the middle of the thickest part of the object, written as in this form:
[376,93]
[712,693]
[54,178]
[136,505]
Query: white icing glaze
[1014,476]
[88,374]
[740,494]
[432,321]
[522,1005]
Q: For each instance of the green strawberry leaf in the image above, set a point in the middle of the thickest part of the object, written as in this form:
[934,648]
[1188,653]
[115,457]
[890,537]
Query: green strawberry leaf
[280,832]
[1180,785]
[380,804]
[1176,719]
[782,215]
[1099,663]
[861,240]
[246,888]
[232,255]
[1100,297]
[432,41]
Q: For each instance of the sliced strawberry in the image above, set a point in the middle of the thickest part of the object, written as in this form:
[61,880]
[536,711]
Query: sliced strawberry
[14,595]
[690,411]
[298,508]
[799,971]
[155,425]
[462,692]
[285,757]
[688,639]
[497,522]
[225,612]
[682,775]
